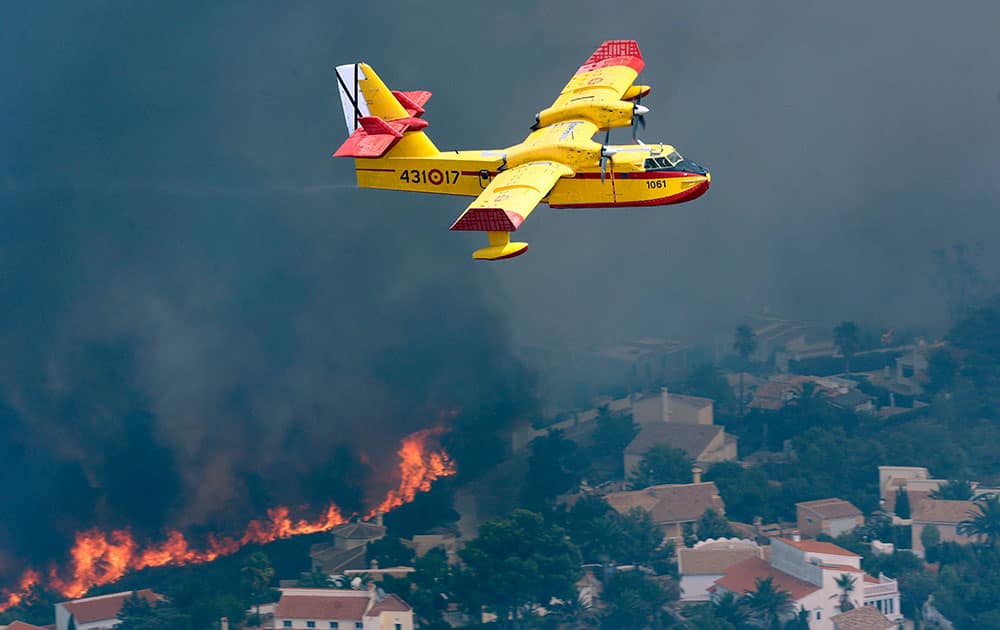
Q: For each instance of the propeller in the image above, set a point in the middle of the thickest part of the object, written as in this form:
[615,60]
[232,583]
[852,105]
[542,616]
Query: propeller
[638,117]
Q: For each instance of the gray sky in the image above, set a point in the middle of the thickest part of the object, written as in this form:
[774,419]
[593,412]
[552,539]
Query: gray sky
[172,216]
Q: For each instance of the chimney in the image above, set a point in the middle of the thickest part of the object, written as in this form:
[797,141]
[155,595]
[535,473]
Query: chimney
[665,404]
[796,537]
[378,519]
[374,564]
[892,400]
[696,474]
[224,623]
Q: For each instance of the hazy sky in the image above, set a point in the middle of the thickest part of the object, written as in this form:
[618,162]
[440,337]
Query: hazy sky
[176,239]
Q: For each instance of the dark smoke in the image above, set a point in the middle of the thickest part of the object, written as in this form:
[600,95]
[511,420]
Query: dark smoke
[200,318]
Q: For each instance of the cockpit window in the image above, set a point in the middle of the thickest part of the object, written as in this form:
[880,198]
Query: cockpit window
[663,163]
[674,158]
[650,164]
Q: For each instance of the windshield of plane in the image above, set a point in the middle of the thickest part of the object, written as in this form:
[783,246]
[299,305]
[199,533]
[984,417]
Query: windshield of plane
[663,163]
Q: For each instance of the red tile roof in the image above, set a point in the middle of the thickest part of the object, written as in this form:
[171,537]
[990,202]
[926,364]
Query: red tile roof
[322,606]
[742,577]
[830,508]
[104,606]
[20,625]
[670,503]
[391,603]
[815,546]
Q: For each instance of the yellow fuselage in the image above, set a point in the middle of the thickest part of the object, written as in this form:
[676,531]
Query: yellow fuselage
[467,173]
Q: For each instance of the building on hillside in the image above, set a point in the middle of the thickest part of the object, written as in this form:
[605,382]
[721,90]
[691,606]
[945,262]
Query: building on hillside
[643,361]
[808,570]
[20,625]
[832,517]
[667,407]
[703,443]
[700,566]
[335,609]
[347,550]
[853,400]
[102,611]
[944,515]
[774,395]
[671,505]
[863,618]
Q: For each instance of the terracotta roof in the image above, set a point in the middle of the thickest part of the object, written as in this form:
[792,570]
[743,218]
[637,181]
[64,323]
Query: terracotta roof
[863,618]
[916,496]
[693,439]
[358,531]
[20,625]
[323,606]
[329,559]
[670,503]
[942,511]
[850,399]
[391,603]
[710,561]
[104,606]
[830,508]
[815,546]
[741,578]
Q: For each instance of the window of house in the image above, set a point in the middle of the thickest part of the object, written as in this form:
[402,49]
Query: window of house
[287,623]
[358,625]
[310,624]
[819,614]
[334,625]
[397,626]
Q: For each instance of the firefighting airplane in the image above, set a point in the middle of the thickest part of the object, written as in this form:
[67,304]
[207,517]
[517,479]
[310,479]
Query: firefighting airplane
[558,163]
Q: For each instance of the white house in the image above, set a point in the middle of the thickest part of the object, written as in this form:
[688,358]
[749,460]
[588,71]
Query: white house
[334,609]
[97,612]
[808,570]
[832,517]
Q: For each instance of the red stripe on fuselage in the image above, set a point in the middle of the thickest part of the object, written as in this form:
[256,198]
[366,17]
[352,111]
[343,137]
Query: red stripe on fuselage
[685,195]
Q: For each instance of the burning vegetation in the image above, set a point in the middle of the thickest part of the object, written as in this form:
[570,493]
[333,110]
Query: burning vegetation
[99,557]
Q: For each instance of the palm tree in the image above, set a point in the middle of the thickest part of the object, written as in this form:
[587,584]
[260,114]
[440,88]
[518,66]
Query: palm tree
[745,344]
[730,607]
[983,522]
[846,337]
[846,585]
[954,490]
[769,603]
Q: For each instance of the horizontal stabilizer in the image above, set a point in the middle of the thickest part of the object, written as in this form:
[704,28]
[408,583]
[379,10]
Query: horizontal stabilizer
[412,102]
[376,136]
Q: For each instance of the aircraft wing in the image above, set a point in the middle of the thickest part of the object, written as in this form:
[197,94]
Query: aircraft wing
[606,75]
[506,202]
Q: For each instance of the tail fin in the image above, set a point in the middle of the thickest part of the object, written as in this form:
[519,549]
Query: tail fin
[382,123]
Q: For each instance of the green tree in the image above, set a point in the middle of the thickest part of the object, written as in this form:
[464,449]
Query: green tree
[633,600]
[902,503]
[983,523]
[257,575]
[639,538]
[953,490]
[554,466]
[517,563]
[662,464]
[138,614]
[845,584]
[745,344]
[768,603]
[942,369]
[846,337]
[930,538]
[315,579]
[431,583]
[389,551]
[711,524]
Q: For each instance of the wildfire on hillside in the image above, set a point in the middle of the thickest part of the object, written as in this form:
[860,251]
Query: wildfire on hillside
[98,557]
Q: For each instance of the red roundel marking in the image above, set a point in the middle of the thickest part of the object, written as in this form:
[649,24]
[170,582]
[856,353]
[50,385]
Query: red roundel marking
[435,177]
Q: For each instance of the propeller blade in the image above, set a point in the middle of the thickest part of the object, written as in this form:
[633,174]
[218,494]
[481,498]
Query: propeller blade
[604,161]
[607,136]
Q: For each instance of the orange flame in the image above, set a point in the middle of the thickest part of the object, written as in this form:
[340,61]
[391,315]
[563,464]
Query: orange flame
[99,558]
